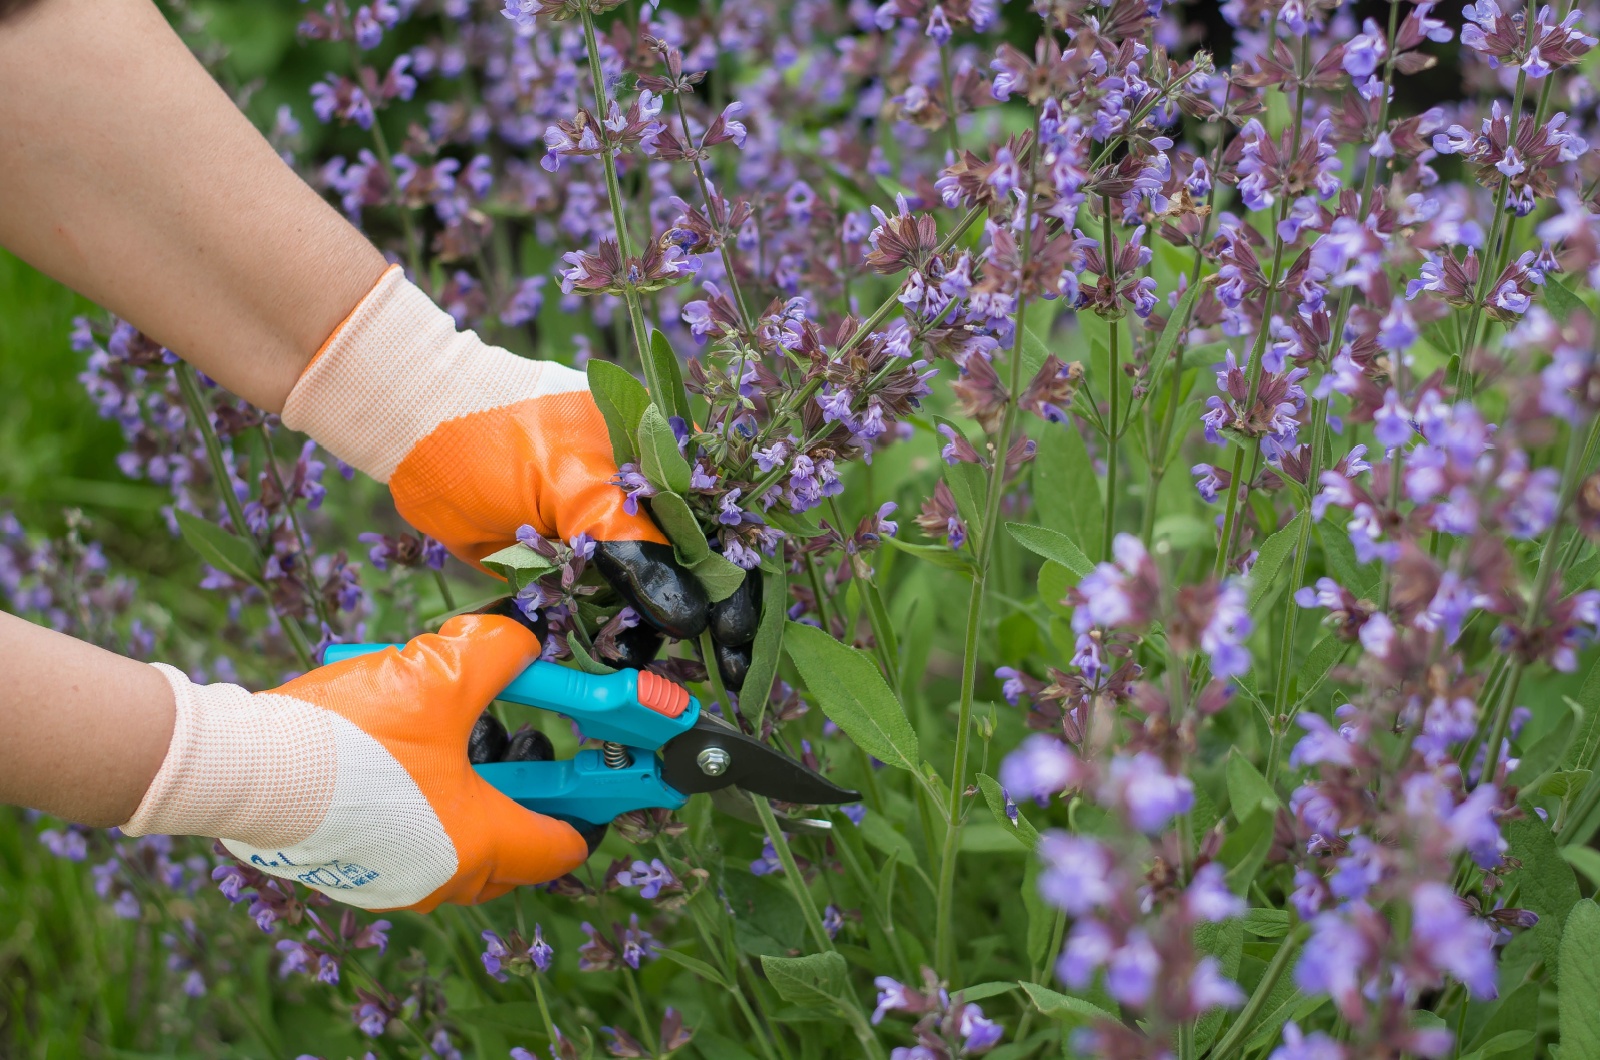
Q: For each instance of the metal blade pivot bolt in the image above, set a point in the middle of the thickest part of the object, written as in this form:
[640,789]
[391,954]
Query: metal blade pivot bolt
[713,761]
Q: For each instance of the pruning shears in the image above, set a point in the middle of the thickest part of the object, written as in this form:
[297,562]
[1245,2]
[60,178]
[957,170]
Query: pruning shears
[657,748]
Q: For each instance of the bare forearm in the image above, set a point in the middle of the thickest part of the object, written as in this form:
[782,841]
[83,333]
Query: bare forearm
[128,174]
[84,730]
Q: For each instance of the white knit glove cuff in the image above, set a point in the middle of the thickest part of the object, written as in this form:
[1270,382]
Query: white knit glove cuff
[396,369]
[258,768]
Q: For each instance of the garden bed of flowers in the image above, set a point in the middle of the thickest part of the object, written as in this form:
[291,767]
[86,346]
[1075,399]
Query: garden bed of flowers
[1166,437]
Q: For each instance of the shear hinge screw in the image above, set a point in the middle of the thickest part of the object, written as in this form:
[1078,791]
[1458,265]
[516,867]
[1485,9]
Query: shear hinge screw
[713,761]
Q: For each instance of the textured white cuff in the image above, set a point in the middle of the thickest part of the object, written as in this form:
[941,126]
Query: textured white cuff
[256,768]
[396,369]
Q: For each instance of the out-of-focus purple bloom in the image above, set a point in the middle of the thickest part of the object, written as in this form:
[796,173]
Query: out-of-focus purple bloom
[1148,796]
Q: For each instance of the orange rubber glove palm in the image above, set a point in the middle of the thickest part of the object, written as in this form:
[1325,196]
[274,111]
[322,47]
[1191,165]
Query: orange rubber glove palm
[354,779]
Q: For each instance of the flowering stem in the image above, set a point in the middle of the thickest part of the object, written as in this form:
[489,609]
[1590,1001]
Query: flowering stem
[544,1010]
[1113,385]
[1244,1023]
[1169,415]
[1576,444]
[713,673]
[791,874]
[944,940]
[952,134]
[189,384]
[619,220]
[722,247]
[645,1030]
[294,520]
[1463,370]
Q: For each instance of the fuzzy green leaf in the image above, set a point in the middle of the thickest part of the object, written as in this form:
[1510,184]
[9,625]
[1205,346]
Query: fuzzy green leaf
[228,553]
[1177,326]
[582,660]
[720,577]
[1586,860]
[1586,740]
[968,485]
[1025,832]
[851,690]
[1274,553]
[518,564]
[938,555]
[1324,656]
[1580,982]
[1052,545]
[670,372]
[1546,882]
[1073,1011]
[1066,492]
[697,966]
[1248,791]
[659,458]
[672,514]
[817,979]
[767,650]
[622,400]
[1548,750]
[1267,923]
[1560,300]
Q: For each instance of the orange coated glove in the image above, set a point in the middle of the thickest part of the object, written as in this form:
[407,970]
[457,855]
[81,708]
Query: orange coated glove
[474,442]
[354,779]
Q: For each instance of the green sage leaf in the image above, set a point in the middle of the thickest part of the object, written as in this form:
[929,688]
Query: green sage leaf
[672,514]
[1578,1014]
[659,458]
[622,400]
[817,979]
[1066,492]
[1248,791]
[720,576]
[228,553]
[767,650]
[518,564]
[1052,545]
[938,555]
[1073,1011]
[1546,881]
[1271,557]
[670,372]
[852,692]
[1025,833]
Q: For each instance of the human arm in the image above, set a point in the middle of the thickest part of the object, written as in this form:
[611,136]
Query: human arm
[84,729]
[129,175]
[352,779]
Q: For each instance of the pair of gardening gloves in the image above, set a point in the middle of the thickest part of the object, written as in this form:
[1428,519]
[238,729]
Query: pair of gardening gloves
[354,779]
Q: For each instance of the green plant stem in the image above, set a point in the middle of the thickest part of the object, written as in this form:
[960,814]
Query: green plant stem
[1577,445]
[608,162]
[714,672]
[1169,415]
[1230,511]
[189,384]
[445,594]
[1228,1045]
[1113,385]
[544,1010]
[944,939]
[646,1031]
[791,874]
[317,604]
[722,245]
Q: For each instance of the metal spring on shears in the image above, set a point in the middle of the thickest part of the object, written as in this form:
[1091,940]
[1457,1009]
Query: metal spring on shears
[615,755]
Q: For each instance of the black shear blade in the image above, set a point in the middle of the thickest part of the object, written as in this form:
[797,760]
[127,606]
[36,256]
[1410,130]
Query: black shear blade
[714,755]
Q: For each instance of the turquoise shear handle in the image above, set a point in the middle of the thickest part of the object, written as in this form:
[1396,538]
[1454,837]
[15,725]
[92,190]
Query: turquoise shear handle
[583,789]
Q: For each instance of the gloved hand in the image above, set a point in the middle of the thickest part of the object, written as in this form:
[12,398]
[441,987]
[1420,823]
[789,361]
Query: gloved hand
[354,779]
[475,441]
